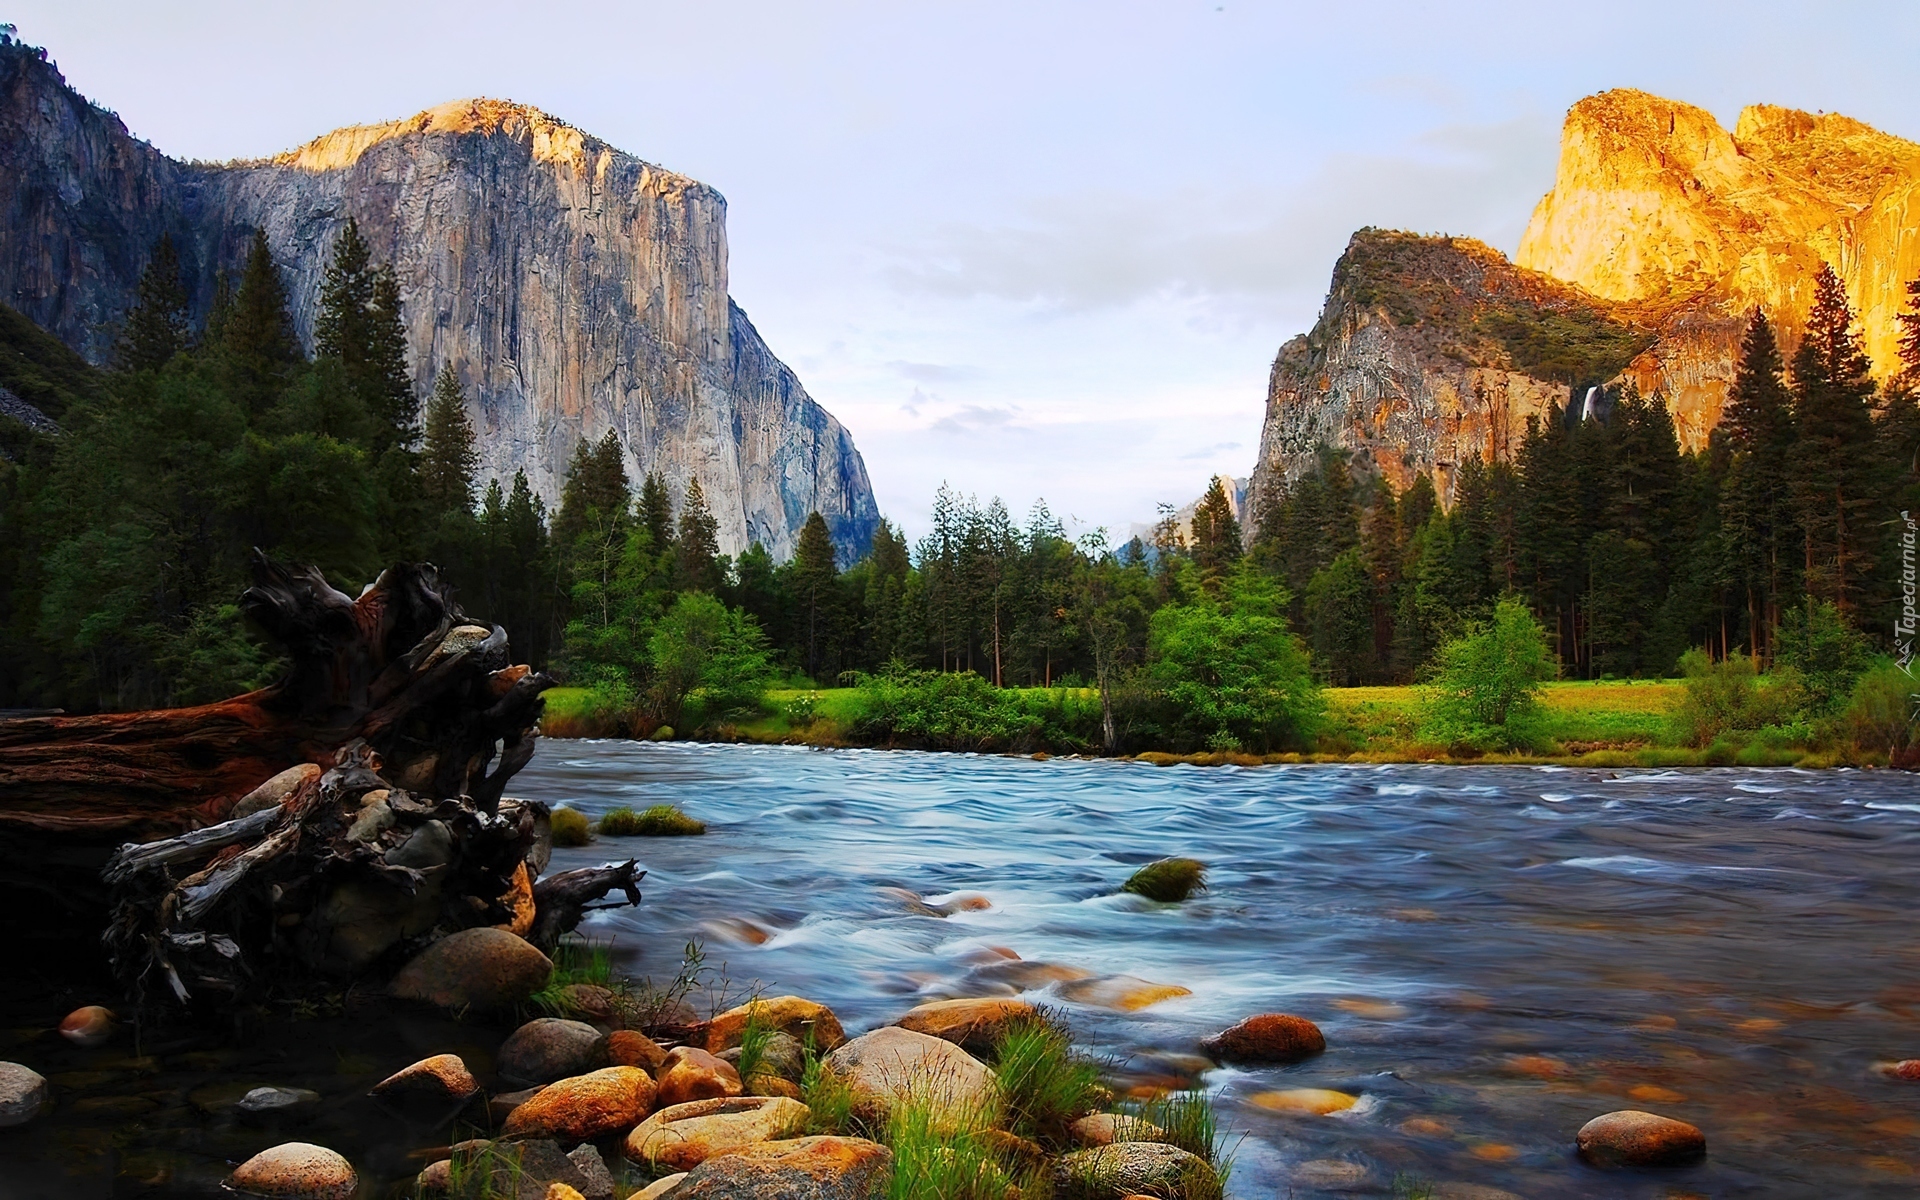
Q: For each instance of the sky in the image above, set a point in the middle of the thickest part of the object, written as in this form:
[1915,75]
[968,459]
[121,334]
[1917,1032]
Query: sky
[1036,250]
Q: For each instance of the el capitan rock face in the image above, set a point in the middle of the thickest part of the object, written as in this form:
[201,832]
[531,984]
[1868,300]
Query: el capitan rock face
[572,287]
[1662,230]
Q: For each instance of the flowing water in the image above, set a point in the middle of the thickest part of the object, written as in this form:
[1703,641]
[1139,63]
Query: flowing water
[1495,954]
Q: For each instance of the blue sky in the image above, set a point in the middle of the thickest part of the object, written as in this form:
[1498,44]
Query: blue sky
[1031,249]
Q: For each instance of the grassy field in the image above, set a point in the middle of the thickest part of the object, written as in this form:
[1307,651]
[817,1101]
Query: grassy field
[1610,723]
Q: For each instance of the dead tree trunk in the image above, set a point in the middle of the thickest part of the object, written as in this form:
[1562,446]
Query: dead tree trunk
[324,826]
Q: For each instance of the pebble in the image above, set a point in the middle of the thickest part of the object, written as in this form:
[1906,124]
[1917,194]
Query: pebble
[1631,1138]
[88,1026]
[23,1093]
[295,1171]
[1268,1037]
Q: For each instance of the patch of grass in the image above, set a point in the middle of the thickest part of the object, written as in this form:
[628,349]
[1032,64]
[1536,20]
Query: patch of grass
[1044,1084]
[576,960]
[1190,1123]
[661,820]
[490,1173]
[1169,880]
[934,1161]
[828,1099]
[753,1042]
[570,827]
[601,711]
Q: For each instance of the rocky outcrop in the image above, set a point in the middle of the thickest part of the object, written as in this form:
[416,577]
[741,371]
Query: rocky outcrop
[572,287]
[1661,232]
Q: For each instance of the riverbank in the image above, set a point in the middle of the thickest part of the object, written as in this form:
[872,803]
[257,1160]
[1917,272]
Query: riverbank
[1593,724]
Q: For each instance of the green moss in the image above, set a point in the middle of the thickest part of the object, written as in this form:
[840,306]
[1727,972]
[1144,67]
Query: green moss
[1169,881]
[662,820]
[569,827]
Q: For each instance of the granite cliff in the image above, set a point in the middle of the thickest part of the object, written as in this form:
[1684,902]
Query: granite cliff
[572,287]
[1661,231]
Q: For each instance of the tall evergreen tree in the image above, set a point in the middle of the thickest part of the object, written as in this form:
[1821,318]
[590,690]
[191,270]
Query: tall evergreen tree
[448,461]
[816,595]
[697,542]
[156,326]
[257,341]
[359,326]
[1756,505]
[220,311]
[594,495]
[1833,461]
[1216,532]
[656,511]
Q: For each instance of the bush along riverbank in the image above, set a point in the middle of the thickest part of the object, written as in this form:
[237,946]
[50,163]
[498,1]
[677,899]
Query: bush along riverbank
[1717,714]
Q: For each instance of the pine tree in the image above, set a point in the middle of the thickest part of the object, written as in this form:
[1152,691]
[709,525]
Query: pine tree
[815,593]
[1216,532]
[1910,339]
[1832,461]
[1756,503]
[698,542]
[448,462]
[656,512]
[389,385]
[257,340]
[595,492]
[359,326]
[156,327]
[220,311]
[340,328]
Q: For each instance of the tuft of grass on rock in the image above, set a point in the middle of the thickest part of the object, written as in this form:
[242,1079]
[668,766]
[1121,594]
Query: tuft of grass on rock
[569,827]
[828,1099]
[934,1161]
[662,820]
[1044,1084]
[1169,881]
[1190,1123]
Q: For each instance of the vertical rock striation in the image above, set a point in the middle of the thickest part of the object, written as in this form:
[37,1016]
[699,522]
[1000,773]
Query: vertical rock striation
[572,287]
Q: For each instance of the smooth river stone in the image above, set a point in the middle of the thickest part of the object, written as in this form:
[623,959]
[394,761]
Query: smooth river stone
[1631,1138]
[1310,1102]
[803,1019]
[295,1171]
[23,1093]
[1125,993]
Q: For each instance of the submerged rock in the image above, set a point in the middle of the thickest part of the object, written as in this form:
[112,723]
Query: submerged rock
[810,1168]
[88,1026]
[686,1135]
[973,1025]
[1125,993]
[1126,1168]
[690,1074]
[1169,881]
[891,1065]
[295,1171]
[1269,1037]
[264,1104]
[803,1019]
[550,1048]
[586,1106]
[1631,1138]
[430,1090]
[483,969]
[23,1093]
[1309,1102]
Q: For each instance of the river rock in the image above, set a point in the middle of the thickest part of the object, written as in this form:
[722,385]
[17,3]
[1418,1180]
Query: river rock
[1267,1038]
[659,1187]
[91,1025]
[1104,1129]
[788,1014]
[1305,1102]
[430,1090]
[561,1191]
[501,1105]
[631,1048]
[295,1171]
[973,1025]
[809,1168]
[273,792]
[593,1169]
[892,1064]
[585,1106]
[688,1074]
[1631,1138]
[550,1048]
[1126,993]
[264,1104]
[476,968]
[588,1001]
[686,1135]
[1011,977]
[23,1093]
[1125,1168]
[1907,1070]
[1470,1191]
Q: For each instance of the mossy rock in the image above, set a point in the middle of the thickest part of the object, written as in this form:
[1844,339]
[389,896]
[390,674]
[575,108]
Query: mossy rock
[662,734]
[1170,880]
[662,820]
[569,827]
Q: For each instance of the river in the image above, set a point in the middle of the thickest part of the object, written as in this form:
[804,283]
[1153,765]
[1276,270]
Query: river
[1496,954]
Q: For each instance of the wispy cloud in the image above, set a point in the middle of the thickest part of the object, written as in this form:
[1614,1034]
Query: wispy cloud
[920,372]
[976,418]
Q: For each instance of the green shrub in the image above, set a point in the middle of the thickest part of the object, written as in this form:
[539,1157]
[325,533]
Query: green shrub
[1881,714]
[960,710]
[1484,690]
[1169,880]
[1229,671]
[569,827]
[1817,645]
[662,820]
[1044,1084]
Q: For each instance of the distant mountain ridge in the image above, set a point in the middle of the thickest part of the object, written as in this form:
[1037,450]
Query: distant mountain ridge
[1661,231]
[572,287]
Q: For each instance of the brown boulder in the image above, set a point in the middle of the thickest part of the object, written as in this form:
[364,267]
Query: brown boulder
[1631,1138]
[788,1014]
[482,969]
[88,1026]
[973,1025]
[688,1074]
[809,1168]
[631,1048]
[550,1048]
[684,1136]
[295,1171]
[431,1089]
[585,1106]
[1269,1037]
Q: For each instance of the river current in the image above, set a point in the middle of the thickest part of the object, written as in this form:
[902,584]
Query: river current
[1496,954]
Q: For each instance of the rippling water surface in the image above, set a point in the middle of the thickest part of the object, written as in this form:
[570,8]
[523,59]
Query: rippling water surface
[1496,954]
